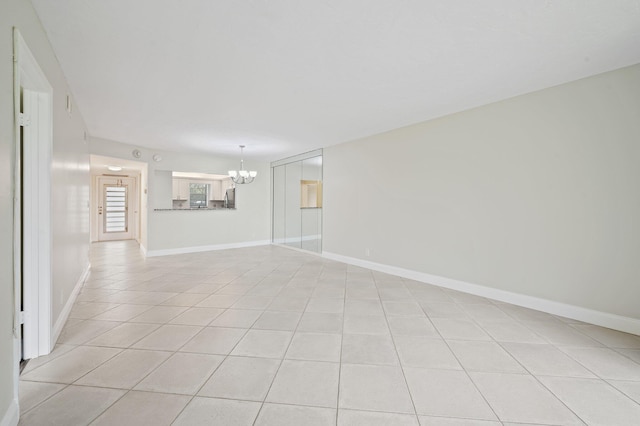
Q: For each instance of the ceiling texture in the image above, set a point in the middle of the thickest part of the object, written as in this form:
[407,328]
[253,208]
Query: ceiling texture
[287,76]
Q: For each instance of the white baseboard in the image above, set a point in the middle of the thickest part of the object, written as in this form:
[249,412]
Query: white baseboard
[143,249]
[604,319]
[64,315]
[185,250]
[12,415]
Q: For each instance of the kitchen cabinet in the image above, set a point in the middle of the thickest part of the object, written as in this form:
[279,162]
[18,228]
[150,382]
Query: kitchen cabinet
[180,189]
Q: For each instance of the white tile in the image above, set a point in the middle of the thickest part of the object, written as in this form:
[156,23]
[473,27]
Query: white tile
[363,307]
[560,333]
[33,393]
[405,308]
[84,331]
[412,326]
[168,337]
[219,301]
[315,347]
[306,383]
[274,320]
[240,318]
[75,405]
[185,299]
[291,415]
[605,363]
[124,370]
[159,314]
[124,335]
[138,408]
[86,310]
[596,402]
[631,389]
[263,343]
[253,302]
[446,393]
[72,365]
[546,360]
[122,313]
[374,388]
[325,305]
[372,418]
[459,329]
[210,411]
[611,338]
[197,316]
[448,421]
[214,340]
[443,310]
[290,304]
[511,332]
[521,398]
[241,378]
[365,324]
[368,349]
[183,373]
[484,356]
[425,352]
[321,322]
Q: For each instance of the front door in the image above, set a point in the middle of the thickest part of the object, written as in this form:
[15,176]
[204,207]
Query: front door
[115,215]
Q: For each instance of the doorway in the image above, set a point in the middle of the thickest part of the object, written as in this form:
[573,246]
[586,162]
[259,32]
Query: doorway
[116,202]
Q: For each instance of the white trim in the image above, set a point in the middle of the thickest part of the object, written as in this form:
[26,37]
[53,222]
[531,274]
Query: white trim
[64,315]
[143,250]
[12,415]
[185,250]
[604,319]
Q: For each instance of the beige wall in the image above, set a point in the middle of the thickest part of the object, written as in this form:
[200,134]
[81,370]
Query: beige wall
[70,182]
[169,230]
[536,195]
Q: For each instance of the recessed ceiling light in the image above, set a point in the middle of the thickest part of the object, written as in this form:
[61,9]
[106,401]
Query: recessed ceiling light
[114,168]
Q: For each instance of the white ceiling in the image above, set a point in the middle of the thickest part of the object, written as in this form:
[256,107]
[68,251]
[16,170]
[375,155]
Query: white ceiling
[288,76]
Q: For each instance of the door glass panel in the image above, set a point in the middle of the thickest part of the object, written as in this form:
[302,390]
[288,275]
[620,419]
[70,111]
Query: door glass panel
[115,216]
[278,205]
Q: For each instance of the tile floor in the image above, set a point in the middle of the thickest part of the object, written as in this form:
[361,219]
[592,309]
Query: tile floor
[271,336]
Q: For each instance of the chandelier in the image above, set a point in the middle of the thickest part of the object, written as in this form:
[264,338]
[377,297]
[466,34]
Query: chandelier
[242,176]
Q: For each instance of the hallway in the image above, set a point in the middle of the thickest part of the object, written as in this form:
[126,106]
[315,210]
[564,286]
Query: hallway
[271,336]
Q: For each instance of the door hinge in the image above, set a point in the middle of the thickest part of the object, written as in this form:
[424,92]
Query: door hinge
[24,119]
[21,316]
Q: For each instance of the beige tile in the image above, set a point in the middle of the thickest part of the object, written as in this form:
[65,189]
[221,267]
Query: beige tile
[511,332]
[560,333]
[69,367]
[306,383]
[124,335]
[122,313]
[58,350]
[290,304]
[546,360]
[159,314]
[425,352]
[291,415]
[197,316]
[86,310]
[446,393]
[152,298]
[168,337]
[520,398]
[368,349]
[374,388]
[240,318]
[372,418]
[405,308]
[274,320]
[253,302]
[363,307]
[33,393]
[183,373]
[443,310]
[139,408]
[210,411]
[631,389]
[124,370]
[321,322]
[242,378]
[263,343]
[596,402]
[315,347]
[484,356]
[75,405]
[215,340]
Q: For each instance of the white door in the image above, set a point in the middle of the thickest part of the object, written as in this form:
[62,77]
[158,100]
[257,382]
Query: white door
[116,220]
